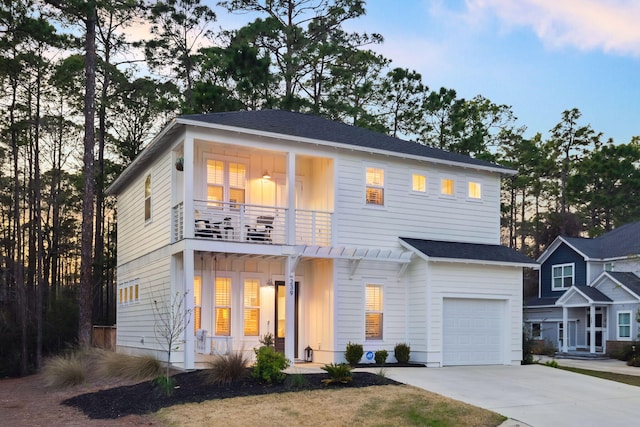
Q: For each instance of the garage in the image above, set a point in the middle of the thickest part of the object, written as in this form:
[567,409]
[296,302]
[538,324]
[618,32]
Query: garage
[473,331]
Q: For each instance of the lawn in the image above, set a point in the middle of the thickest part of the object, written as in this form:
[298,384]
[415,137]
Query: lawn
[621,378]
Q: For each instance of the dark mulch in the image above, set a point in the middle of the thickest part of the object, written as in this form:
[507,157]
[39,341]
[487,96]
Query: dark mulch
[193,387]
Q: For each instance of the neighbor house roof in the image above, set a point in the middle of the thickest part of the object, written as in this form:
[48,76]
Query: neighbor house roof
[442,250]
[592,293]
[300,126]
[629,280]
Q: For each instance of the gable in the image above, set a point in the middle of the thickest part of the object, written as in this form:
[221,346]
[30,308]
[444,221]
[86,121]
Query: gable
[563,254]
[621,287]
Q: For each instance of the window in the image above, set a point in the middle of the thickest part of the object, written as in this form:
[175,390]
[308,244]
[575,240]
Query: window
[475,190]
[562,276]
[624,325]
[373,312]
[418,183]
[446,186]
[147,198]
[226,182]
[536,331]
[223,306]
[197,303]
[128,293]
[375,186]
[252,307]
[608,266]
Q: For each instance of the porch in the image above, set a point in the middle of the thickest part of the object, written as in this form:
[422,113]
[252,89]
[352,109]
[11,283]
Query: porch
[247,223]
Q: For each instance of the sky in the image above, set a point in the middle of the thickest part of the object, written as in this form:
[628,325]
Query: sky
[540,57]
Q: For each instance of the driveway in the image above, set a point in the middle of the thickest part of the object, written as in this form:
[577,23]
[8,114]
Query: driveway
[536,395]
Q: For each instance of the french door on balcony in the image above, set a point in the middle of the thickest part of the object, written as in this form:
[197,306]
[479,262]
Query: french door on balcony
[281,317]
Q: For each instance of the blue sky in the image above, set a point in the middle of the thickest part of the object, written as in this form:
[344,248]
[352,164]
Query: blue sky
[541,57]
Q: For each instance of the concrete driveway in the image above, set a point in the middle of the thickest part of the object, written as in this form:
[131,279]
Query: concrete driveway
[535,395]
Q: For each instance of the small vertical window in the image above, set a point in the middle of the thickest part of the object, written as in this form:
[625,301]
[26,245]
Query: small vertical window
[475,190]
[418,183]
[375,186]
[446,186]
[536,331]
[624,325]
[223,306]
[252,307]
[373,312]
[147,198]
[197,303]
[608,266]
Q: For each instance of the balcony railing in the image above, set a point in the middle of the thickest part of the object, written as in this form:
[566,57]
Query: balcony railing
[239,222]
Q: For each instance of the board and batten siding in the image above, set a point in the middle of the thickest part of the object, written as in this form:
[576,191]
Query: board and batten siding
[350,306]
[408,214]
[471,281]
[136,236]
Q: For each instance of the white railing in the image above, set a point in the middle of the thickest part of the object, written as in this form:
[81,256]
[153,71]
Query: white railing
[237,222]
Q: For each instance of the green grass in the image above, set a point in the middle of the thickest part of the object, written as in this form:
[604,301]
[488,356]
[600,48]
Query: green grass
[621,378]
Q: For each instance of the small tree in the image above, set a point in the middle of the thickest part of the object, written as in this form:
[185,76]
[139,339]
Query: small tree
[171,320]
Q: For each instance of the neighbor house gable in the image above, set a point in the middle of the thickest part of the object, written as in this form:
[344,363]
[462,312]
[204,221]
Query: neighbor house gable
[563,255]
[621,287]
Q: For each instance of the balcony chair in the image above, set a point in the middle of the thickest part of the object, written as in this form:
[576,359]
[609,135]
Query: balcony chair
[204,228]
[261,232]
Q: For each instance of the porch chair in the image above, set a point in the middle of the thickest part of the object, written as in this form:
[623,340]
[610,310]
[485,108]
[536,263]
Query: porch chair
[261,232]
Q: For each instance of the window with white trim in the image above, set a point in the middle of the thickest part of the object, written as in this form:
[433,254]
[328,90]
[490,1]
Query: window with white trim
[475,190]
[447,187]
[373,312]
[222,300]
[252,307]
[226,182]
[624,325]
[375,186]
[197,303]
[418,183]
[608,266]
[147,198]
[128,293]
[562,276]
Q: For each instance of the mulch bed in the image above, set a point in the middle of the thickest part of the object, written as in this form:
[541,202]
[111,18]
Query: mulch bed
[193,387]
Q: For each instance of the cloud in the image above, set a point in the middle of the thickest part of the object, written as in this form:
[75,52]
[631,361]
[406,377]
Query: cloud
[607,25]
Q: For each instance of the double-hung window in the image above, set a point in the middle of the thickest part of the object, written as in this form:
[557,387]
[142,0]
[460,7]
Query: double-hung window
[252,307]
[226,182]
[373,312]
[624,325]
[418,183]
[375,186]
[197,303]
[562,276]
[447,187]
[222,301]
[475,190]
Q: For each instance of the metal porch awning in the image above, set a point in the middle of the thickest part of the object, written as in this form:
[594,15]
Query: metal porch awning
[357,255]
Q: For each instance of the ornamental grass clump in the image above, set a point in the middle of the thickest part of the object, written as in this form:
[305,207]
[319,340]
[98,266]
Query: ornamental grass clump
[227,368]
[65,370]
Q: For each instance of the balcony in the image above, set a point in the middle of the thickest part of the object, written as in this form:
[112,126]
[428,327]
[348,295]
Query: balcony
[246,223]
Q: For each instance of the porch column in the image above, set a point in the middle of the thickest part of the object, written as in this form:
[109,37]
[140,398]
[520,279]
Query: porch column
[290,238]
[189,171]
[592,332]
[290,307]
[565,328]
[187,292]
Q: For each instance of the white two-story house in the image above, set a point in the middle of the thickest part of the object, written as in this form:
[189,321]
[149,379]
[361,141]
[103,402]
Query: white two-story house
[319,233]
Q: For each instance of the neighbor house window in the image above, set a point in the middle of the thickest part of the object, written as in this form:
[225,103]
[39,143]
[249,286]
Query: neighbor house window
[223,306]
[475,190]
[373,312]
[608,266]
[418,183]
[562,276]
[226,182]
[624,325]
[252,307]
[375,186]
[197,303]
[147,198]
[536,331]
[446,186]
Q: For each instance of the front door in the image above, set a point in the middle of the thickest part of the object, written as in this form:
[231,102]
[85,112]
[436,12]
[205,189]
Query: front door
[281,317]
[600,327]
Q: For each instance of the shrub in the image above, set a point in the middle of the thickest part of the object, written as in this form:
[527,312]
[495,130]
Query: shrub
[401,352]
[354,353]
[634,361]
[112,364]
[528,345]
[65,370]
[295,381]
[381,357]
[551,363]
[267,340]
[338,373]
[226,368]
[269,365]
[165,384]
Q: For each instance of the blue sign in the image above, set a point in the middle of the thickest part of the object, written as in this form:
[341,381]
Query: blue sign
[369,355]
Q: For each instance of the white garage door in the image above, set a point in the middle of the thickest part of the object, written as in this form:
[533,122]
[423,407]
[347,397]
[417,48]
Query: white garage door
[473,332]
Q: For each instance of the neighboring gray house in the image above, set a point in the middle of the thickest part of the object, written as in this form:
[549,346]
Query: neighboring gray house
[589,288]
[320,233]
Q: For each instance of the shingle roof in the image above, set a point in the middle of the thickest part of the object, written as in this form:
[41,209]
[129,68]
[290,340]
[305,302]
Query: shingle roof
[594,294]
[620,242]
[468,251]
[630,280]
[537,302]
[314,127]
